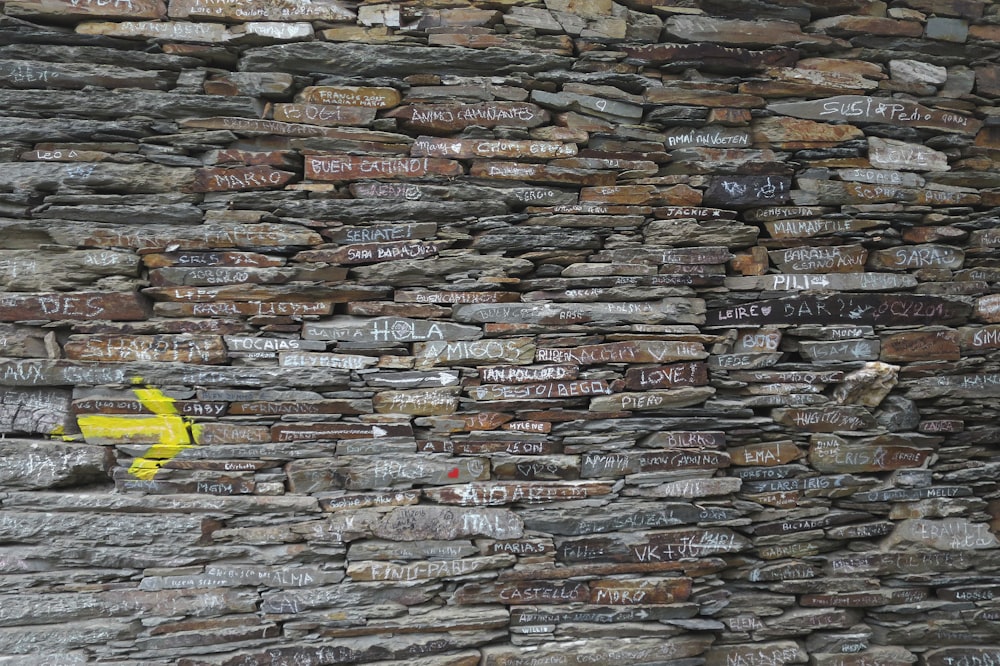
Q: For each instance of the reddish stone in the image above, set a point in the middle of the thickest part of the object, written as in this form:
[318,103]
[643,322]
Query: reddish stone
[208,349]
[913,346]
[666,376]
[372,253]
[357,96]
[449,118]
[86,305]
[349,167]
[523,592]
[615,592]
[765,454]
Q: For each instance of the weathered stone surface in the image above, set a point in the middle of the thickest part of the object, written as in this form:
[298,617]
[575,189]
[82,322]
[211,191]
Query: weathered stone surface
[856,309]
[375,60]
[665,310]
[862,109]
[258,10]
[652,400]
[737,32]
[147,9]
[429,522]
[826,419]
[114,306]
[507,333]
[37,464]
[797,133]
[739,191]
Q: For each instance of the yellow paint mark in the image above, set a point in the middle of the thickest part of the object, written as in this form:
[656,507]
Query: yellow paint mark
[154,400]
[166,431]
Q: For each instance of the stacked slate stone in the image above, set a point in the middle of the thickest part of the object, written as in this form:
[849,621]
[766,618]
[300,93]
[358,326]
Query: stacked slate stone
[508,332]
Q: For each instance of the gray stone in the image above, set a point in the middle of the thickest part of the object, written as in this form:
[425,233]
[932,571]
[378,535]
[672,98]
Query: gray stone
[375,60]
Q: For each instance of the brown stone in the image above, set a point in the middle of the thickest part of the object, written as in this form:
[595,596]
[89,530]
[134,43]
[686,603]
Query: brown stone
[849,26]
[366,472]
[808,228]
[448,118]
[257,126]
[633,351]
[652,400]
[388,571]
[373,253]
[765,454]
[241,309]
[796,134]
[541,427]
[641,591]
[822,259]
[347,167]
[498,493]
[213,295]
[703,97]
[538,173]
[210,259]
[666,376]
[260,10]
[912,346]
[212,433]
[988,309]
[82,305]
[88,9]
[180,31]
[196,238]
[516,447]
[677,195]
[960,655]
[426,146]
[734,32]
[825,419]
[714,57]
[171,348]
[541,390]
[358,96]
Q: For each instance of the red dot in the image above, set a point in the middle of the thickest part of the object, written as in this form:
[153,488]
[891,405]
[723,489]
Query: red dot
[453,474]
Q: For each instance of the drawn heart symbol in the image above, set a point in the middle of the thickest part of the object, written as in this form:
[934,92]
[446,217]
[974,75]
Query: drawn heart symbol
[453,474]
[766,310]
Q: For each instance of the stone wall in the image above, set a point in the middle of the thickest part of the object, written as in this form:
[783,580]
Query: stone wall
[504,333]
